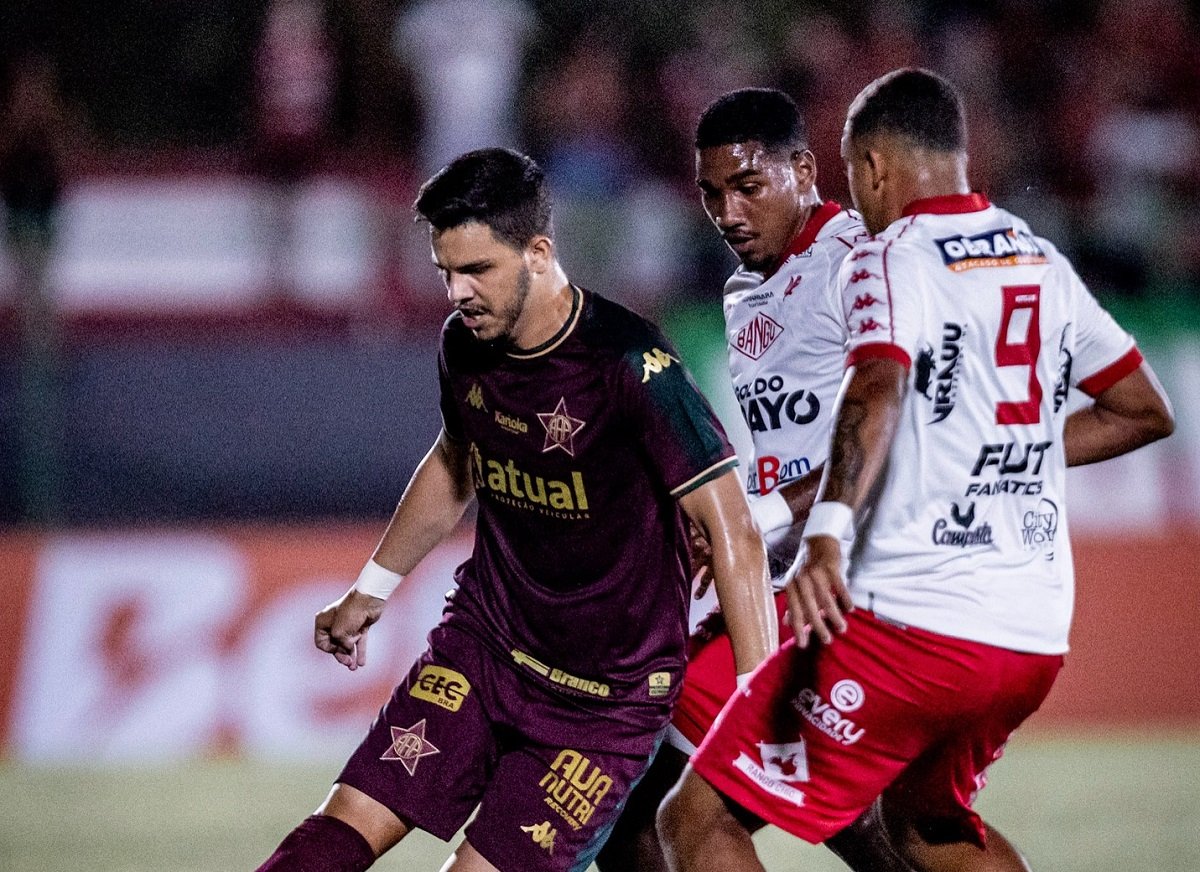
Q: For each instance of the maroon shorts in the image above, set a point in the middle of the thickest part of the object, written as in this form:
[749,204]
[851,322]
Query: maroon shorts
[711,676]
[818,734]
[465,729]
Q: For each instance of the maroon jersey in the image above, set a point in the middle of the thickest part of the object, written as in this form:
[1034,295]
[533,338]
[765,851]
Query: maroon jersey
[579,450]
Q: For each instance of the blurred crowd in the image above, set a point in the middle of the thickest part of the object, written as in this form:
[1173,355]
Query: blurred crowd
[1085,114]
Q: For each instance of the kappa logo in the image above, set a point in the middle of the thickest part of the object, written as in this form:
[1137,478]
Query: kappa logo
[863,301]
[868,325]
[441,686]
[655,361]
[861,276]
[543,835]
[409,745]
[793,283]
[560,428]
[758,336]
[475,398]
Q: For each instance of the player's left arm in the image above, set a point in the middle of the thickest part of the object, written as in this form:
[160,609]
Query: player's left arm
[863,428]
[1133,412]
[719,510]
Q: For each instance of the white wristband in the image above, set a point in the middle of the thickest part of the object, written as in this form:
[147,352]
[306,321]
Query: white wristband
[376,581]
[743,679]
[830,518]
[772,516]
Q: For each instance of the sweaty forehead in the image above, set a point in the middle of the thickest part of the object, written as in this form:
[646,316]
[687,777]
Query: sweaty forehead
[721,164]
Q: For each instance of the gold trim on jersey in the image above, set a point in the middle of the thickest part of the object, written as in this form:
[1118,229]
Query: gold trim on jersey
[564,332]
[697,479]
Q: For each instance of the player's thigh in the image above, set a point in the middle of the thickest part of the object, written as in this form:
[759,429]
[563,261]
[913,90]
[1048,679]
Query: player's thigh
[933,797]
[429,754]
[710,678]
[550,809]
[821,732]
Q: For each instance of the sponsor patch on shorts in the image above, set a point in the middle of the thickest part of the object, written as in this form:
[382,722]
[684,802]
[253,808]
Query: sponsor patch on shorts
[441,686]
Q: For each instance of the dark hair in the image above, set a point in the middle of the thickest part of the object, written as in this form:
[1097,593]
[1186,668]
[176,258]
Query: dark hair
[917,104]
[759,114]
[504,189]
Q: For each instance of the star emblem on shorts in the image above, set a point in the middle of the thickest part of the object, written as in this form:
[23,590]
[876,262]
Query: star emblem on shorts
[409,745]
[560,428]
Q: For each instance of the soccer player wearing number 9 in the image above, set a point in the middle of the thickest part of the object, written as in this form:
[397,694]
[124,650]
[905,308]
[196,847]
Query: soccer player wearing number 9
[950,448]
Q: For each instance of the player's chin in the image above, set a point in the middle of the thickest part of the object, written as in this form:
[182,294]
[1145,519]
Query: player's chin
[754,259]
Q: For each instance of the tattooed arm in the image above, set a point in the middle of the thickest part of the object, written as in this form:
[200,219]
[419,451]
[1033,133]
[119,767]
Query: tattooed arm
[862,436]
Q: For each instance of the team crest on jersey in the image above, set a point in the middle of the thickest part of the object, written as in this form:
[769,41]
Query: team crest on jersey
[1004,246]
[756,337]
[409,745]
[560,428]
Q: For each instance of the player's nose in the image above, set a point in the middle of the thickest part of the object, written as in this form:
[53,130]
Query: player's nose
[458,288]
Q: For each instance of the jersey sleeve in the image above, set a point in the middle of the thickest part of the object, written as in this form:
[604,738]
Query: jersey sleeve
[881,302]
[679,432]
[451,416]
[1104,352]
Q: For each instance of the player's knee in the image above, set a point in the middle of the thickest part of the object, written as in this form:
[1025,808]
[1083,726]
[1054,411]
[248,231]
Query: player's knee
[375,821]
[689,810]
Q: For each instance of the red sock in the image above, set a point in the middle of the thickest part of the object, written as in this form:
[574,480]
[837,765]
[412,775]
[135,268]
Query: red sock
[321,844]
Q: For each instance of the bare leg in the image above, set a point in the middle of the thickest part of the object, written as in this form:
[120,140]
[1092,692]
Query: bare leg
[867,846]
[467,859]
[929,853]
[700,830]
[345,834]
[375,821]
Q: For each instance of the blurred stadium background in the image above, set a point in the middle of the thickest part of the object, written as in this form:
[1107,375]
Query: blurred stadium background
[217,365]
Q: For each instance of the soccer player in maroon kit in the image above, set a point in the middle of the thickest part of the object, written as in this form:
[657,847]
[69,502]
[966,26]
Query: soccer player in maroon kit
[548,685]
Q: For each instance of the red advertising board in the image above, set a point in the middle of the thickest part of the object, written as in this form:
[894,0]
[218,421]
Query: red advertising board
[165,644]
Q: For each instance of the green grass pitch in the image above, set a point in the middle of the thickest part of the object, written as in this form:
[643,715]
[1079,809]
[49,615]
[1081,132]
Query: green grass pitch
[1073,804]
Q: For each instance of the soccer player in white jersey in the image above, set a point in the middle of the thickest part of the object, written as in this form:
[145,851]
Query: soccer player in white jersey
[787,348]
[945,490]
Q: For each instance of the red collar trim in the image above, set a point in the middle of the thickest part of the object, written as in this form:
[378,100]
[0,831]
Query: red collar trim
[951,204]
[808,233]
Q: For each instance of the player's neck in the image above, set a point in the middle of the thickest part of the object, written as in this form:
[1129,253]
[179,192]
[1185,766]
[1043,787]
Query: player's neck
[935,176]
[807,203]
[547,309]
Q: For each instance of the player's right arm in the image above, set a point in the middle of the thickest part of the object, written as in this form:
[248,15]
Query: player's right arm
[1132,412]
[436,497]
[739,567]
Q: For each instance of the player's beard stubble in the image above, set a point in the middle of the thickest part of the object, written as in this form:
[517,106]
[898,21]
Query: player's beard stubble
[512,311]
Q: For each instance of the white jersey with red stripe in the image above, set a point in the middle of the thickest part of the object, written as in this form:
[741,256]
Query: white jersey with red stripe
[787,352]
[967,533]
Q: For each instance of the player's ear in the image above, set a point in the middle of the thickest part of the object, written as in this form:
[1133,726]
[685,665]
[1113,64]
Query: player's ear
[539,254]
[805,166]
[878,165]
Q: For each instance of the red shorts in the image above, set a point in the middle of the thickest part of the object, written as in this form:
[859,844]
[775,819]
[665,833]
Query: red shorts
[710,678]
[820,733]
